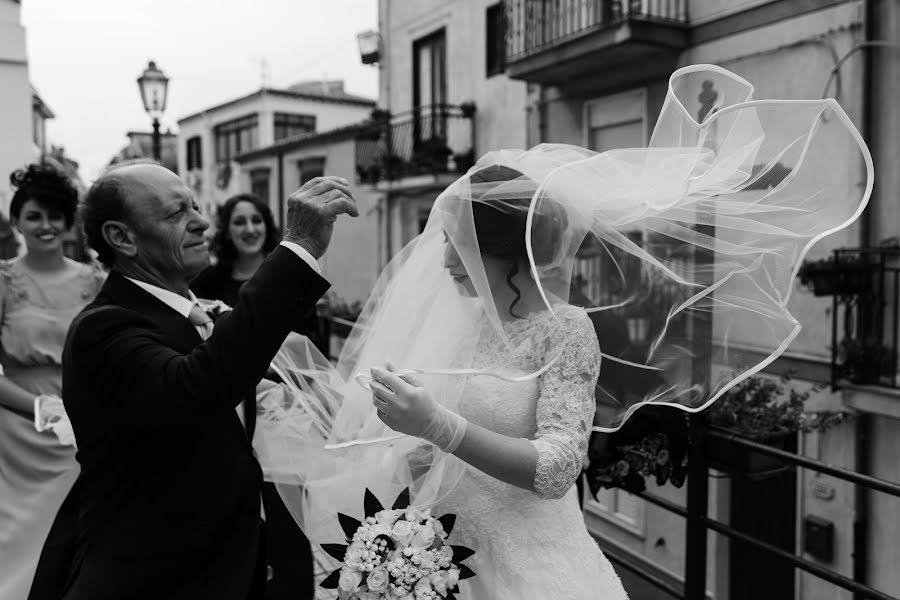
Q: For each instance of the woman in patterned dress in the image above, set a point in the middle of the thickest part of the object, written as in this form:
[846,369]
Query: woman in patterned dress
[40,294]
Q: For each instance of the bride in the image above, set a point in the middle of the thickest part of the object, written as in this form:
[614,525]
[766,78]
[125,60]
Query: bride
[523,441]
[489,384]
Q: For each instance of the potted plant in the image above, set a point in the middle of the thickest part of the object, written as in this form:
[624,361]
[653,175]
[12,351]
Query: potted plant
[829,277]
[864,362]
[766,411]
[654,442]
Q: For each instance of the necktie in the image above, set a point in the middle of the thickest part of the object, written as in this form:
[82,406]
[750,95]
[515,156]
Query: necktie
[201,321]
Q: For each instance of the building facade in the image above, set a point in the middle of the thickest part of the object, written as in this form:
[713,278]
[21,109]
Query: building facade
[597,74]
[22,111]
[442,70]
[210,140]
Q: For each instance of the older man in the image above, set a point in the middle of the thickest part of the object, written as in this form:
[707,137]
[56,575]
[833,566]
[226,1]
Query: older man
[170,485]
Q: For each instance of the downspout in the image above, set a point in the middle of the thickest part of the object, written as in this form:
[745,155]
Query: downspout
[863,420]
[281,198]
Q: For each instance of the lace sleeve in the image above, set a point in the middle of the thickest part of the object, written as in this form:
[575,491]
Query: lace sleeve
[566,407]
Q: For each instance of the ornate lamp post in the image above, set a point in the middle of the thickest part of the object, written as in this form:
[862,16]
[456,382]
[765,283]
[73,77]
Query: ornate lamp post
[154,86]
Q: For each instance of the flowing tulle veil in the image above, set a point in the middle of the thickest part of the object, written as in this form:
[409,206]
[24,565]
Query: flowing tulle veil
[684,253]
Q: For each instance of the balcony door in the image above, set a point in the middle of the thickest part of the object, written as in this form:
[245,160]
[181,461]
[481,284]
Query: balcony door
[429,89]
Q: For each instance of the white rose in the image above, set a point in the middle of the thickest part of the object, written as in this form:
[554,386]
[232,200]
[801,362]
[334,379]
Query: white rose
[377,580]
[414,515]
[452,578]
[423,586]
[349,580]
[439,582]
[402,532]
[423,538]
[355,555]
[388,517]
[380,529]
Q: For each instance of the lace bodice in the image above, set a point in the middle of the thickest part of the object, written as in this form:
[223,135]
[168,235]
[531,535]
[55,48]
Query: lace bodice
[555,413]
[36,311]
[533,545]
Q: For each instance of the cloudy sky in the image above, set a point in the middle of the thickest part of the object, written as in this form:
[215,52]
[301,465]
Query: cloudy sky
[85,57]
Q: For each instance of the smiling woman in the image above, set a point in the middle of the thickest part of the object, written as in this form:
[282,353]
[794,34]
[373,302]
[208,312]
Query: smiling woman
[40,294]
[245,234]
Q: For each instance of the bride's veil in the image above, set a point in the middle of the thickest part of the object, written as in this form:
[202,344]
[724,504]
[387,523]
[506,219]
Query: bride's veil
[683,253]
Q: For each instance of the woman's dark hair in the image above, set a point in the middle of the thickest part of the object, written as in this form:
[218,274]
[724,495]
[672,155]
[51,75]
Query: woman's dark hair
[502,234]
[223,247]
[50,188]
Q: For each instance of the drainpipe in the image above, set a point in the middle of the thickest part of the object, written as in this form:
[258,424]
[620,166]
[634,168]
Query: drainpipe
[281,198]
[868,129]
[864,421]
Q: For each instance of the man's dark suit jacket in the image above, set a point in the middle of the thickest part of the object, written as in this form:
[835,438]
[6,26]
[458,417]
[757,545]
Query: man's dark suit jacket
[170,485]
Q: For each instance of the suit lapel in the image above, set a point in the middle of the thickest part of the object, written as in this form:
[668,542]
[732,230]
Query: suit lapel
[178,330]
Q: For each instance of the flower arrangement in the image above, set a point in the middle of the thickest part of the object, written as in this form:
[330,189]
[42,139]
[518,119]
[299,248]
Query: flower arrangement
[397,554]
[654,442]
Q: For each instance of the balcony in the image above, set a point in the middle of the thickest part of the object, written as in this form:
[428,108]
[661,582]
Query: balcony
[429,140]
[559,41]
[864,284]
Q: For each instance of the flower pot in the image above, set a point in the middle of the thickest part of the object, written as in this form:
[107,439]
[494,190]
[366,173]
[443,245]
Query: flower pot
[829,278]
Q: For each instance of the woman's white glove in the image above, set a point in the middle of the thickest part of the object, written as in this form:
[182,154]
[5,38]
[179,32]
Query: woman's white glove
[49,413]
[405,405]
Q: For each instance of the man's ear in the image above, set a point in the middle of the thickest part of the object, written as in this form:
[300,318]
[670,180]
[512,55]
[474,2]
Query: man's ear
[119,237]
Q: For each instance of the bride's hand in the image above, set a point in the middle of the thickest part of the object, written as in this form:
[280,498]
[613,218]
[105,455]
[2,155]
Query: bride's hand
[402,401]
[405,405]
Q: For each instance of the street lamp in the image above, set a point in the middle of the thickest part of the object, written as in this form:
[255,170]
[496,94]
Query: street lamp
[154,85]
[369,46]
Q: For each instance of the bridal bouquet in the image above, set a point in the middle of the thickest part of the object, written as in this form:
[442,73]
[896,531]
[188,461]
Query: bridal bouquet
[397,554]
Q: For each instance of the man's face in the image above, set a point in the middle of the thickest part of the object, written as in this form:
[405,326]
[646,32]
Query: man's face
[168,227]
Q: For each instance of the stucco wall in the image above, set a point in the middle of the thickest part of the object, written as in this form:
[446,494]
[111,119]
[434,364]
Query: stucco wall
[500,119]
[16,148]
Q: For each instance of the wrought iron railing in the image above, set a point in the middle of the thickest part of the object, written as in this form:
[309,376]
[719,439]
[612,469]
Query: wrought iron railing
[427,140]
[865,286]
[535,25]
[699,522]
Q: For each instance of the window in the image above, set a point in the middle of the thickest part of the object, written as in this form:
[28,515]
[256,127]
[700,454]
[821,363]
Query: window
[429,87]
[495,43]
[236,137]
[288,125]
[309,168]
[620,507]
[259,184]
[194,154]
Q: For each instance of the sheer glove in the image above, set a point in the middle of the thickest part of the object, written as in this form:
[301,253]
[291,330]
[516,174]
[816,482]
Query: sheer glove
[405,405]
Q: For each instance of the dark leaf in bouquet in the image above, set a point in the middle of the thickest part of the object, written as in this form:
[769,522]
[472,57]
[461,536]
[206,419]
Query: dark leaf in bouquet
[465,572]
[336,551]
[450,595]
[461,553]
[371,504]
[402,500]
[447,521]
[348,524]
[331,582]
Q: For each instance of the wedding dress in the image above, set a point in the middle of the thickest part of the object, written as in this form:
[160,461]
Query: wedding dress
[533,545]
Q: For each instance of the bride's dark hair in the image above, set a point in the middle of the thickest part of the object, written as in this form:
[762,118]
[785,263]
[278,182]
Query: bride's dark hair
[502,234]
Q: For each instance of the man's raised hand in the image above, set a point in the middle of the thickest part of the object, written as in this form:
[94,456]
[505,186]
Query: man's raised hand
[312,210]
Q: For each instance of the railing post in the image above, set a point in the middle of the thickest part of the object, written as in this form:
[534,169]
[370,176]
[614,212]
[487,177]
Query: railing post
[697,507]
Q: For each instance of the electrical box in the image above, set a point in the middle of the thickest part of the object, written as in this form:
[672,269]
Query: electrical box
[818,538]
